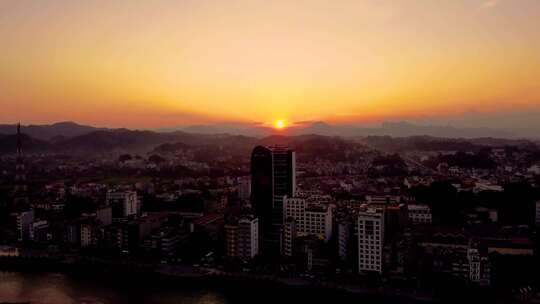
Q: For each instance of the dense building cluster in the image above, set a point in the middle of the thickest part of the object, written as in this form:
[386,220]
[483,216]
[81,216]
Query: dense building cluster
[358,219]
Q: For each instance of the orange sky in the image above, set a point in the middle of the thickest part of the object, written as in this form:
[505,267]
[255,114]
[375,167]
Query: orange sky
[165,63]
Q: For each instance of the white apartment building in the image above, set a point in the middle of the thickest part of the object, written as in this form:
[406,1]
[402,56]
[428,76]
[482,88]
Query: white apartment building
[370,240]
[311,217]
[248,237]
[419,214]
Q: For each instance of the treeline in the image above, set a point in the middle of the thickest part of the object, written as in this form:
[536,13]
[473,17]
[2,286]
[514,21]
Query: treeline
[480,160]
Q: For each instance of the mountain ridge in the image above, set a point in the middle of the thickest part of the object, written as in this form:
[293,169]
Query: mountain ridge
[395,129]
[140,141]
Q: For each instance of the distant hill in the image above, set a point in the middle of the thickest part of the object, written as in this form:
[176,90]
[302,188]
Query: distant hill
[252,130]
[95,142]
[429,143]
[395,129]
[63,130]
[47,132]
[399,129]
[404,129]
[112,141]
[123,140]
[71,138]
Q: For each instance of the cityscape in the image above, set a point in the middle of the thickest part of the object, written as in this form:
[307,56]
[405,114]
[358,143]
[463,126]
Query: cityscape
[250,151]
[301,212]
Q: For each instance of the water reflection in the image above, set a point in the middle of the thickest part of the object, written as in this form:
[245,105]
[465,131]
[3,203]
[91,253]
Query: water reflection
[62,289]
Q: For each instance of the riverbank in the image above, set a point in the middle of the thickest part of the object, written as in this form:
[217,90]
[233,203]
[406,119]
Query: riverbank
[236,285]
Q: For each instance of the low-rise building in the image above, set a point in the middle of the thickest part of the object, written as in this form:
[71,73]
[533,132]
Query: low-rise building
[123,204]
[24,220]
[38,231]
[242,238]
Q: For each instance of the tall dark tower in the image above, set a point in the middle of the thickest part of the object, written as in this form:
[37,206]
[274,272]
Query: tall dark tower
[20,173]
[272,178]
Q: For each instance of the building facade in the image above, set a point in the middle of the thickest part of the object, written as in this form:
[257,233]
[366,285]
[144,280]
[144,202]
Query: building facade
[244,188]
[345,233]
[311,217]
[242,238]
[370,240]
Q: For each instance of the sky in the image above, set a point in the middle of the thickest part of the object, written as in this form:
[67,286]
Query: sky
[152,64]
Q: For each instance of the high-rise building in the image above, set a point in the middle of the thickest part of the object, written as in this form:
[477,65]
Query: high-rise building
[272,178]
[345,234]
[20,198]
[20,170]
[370,240]
[396,220]
[244,188]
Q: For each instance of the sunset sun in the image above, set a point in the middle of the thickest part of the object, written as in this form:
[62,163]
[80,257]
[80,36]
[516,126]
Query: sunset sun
[279,124]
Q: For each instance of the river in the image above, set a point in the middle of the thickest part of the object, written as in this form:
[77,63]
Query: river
[64,289]
[87,288]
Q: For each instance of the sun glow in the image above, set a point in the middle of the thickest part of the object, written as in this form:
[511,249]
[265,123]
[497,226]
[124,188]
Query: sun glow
[208,67]
[279,124]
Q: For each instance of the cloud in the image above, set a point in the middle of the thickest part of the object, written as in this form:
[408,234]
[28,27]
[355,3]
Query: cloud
[304,122]
[490,3]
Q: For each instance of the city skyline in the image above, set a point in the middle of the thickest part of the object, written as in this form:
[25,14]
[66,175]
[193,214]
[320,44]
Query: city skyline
[162,64]
[251,151]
